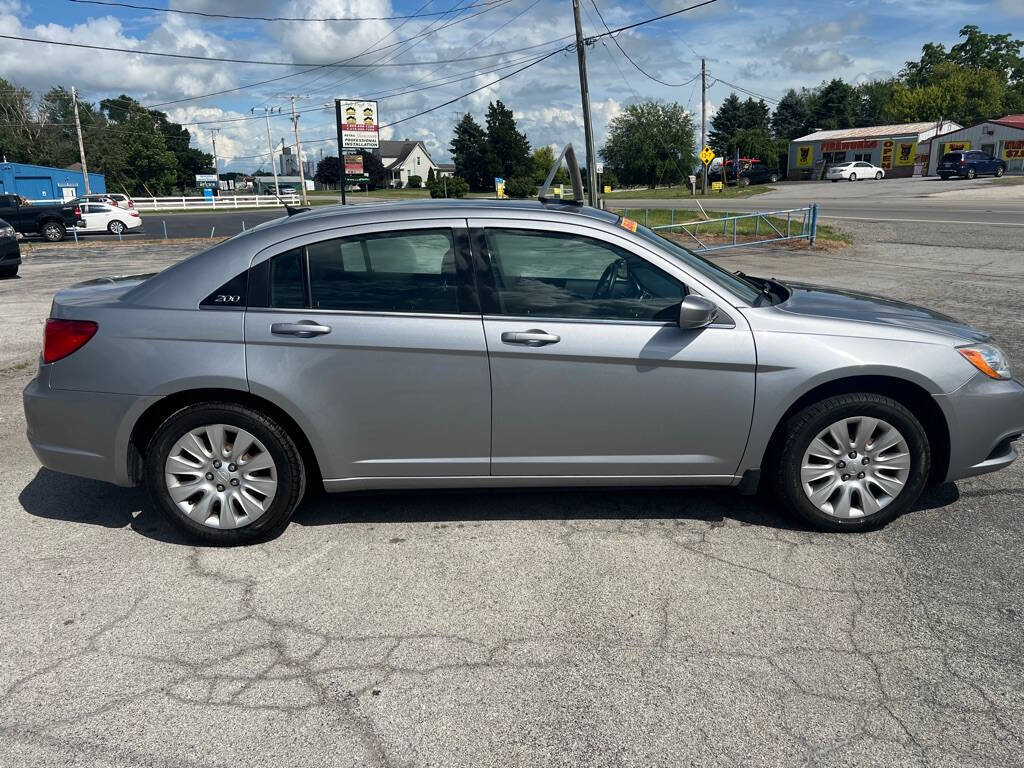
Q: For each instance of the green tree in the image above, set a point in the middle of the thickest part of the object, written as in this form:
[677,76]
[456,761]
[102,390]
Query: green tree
[430,176]
[469,153]
[139,159]
[954,92]
[520,187]
[834,105]
[508,148]
[542,160]
[328,171]
[873,99]
[727,122]
[755,116]
[792,116]
[373,169]
[650,143]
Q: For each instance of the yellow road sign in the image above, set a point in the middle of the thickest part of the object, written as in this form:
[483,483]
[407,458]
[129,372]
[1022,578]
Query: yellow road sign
[707,155]
[716,185]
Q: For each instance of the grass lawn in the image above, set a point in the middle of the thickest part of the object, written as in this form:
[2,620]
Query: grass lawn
[656,217]
[672,193]
[1009,180]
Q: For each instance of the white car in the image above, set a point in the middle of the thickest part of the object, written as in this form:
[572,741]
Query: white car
[123,201]
[101,217]
[853,170]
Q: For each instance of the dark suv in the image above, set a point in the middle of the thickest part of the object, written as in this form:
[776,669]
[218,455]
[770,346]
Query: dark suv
[970,163]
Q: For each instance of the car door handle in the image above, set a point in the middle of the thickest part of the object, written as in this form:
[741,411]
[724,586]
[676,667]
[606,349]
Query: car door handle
[304,329]
[530,338]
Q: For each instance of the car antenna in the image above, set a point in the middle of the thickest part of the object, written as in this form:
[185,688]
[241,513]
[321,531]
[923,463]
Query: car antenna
[292,209]
[574,175]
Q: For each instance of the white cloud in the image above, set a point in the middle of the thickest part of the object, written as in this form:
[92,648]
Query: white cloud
[806,60]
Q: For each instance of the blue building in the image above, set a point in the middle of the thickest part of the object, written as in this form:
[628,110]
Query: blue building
[40,182]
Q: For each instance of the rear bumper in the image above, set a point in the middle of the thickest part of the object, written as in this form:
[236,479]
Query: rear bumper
[81,433]
[985,418]
[10,253]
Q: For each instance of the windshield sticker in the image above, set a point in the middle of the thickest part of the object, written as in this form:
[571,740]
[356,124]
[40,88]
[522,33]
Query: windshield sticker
[628,224]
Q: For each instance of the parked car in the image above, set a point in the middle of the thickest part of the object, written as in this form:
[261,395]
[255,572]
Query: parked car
[102,198]
[102,217]
[490,343]
[854,170]
[49,220]
[10,252]
[970,163]
[750,173]
[122,201]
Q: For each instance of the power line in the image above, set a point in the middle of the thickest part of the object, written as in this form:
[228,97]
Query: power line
[746,91]
[638,68]
[211,15]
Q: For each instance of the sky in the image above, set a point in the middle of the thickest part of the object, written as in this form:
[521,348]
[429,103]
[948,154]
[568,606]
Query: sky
[764,46]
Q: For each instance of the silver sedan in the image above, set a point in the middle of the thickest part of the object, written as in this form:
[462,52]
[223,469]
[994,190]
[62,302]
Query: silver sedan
[481,344]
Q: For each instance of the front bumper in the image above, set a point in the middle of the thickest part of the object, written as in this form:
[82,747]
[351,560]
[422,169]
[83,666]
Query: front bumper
[81,433]
[985,417]
[10,252]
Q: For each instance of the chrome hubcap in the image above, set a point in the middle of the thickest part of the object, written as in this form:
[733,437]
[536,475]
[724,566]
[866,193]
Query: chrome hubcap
[221,476]
[856,467]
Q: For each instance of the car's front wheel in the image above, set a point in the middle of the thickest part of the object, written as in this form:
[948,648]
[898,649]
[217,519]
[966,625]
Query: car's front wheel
[999,171]
[773,178]
[944,176]
[971,173]
[852,177]
[878,176]
[224,474]
[115,227]
[851,462]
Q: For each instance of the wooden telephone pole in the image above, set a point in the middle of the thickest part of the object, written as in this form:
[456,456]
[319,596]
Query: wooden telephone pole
[588,128]
[81,145]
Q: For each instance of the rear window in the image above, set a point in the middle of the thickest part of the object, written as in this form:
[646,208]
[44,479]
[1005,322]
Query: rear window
[954,156]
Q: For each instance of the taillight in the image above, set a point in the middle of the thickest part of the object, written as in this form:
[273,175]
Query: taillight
[62,337]
[134,213]
[963,161]
[78,212]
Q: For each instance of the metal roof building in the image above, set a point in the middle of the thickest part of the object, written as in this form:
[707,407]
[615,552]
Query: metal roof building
[1002,137]
[899,149]
[41,183]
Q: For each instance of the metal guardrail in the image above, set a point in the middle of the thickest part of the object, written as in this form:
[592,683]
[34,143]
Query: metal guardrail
[800,224]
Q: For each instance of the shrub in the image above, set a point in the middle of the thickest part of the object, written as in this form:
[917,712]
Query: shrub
[455,186]
[520,187]
[415,182]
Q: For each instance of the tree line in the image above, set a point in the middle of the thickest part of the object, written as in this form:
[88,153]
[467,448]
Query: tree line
[138,149]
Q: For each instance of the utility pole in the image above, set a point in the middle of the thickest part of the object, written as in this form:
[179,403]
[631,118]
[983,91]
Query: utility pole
[216,165]
[298,153]
[341,152]
[270,145]
[588,129]
[704,126]
[81,145]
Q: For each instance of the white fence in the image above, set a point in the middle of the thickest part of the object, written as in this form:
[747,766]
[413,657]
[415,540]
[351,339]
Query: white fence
[212,203]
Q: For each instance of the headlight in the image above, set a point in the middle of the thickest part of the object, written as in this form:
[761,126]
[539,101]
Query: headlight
[7,232]
[987,358]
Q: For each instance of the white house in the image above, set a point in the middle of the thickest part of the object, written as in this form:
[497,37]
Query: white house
[403,159]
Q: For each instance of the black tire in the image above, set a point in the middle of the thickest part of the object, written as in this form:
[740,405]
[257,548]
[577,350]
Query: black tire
[801,428]
[744,182]
[971,173]
[944,176]
[878,176]
[115,226]
[291,474]
[834,180]
[10,271]
[773,179]
[852,177]
[54,231]
[999,171]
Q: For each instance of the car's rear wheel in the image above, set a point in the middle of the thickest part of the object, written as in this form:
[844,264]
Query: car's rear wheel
[115,227]
[54,231]
[834,180]
[9,271]
[852,177]
[773,178]
[852,462]
[944,176]
[224,474]
[744,182]
[999,171]
[971,173]
[878,176]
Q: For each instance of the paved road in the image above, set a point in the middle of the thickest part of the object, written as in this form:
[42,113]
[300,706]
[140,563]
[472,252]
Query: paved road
[896,200]
[604,628]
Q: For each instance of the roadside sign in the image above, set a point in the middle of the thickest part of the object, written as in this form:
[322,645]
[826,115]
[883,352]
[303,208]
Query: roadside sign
[707,155]
[206,181]
[499,186]
[599,167]
[716,185]
[357,124]
[353,165]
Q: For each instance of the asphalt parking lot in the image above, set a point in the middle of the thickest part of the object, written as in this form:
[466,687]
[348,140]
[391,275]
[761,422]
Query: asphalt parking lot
[597,628]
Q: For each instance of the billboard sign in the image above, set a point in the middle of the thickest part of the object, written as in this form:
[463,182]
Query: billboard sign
[805,156]
[353,165]
[955,146]
[206,181]
[357,124]
[906,152]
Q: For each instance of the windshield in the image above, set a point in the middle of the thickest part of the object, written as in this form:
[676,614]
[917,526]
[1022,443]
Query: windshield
[708,269]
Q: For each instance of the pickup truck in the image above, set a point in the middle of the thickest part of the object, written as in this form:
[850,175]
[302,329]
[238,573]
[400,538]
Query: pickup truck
[51,221]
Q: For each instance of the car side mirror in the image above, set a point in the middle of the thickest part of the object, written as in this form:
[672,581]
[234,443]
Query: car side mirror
[696,312]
